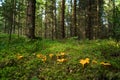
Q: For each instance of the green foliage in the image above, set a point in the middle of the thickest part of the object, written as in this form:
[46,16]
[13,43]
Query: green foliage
[34,78]
[18,59]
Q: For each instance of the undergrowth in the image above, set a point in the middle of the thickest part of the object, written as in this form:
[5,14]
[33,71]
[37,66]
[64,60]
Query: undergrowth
[21,59]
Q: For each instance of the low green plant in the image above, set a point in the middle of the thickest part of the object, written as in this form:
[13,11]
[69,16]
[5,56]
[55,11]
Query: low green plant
[19,60]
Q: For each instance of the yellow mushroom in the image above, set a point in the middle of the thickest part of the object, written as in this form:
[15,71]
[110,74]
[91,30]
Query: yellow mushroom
[19,57]
[105,64]
[84,61]
[62,60]
[51,55]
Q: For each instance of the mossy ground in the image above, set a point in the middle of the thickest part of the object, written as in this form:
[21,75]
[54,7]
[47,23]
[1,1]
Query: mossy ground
[30,67]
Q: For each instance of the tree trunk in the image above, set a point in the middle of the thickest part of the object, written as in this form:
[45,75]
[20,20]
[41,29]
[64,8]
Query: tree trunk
[14,11]
[74,19]
[55,20]
[62,19]
[89,32]
[81,19]
[71,27]
[45,33]
[114,22]
[5,26]
[31,18]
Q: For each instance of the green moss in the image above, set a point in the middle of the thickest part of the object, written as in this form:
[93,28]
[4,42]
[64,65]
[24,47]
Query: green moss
[32,68]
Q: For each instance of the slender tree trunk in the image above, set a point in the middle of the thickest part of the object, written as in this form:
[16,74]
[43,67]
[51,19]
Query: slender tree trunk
[100,2]
[14,10]
[81,20]
[19,21]
[90,27]
[5,21]
[114,16]
[98,19]
[10,23]
[10,30]
[62,19]
[74,19]
[31,18]
[71,27]
[55,20]
[22,23]
[45,33]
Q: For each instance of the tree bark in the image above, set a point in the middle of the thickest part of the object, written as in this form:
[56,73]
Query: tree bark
[89,32]
[45,33]
[62,19]
[74,19]
[31,18]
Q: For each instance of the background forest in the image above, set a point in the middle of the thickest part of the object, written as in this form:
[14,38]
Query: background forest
[58,19]
[59,39]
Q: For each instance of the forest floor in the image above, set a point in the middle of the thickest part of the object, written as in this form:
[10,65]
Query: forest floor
[67,59]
